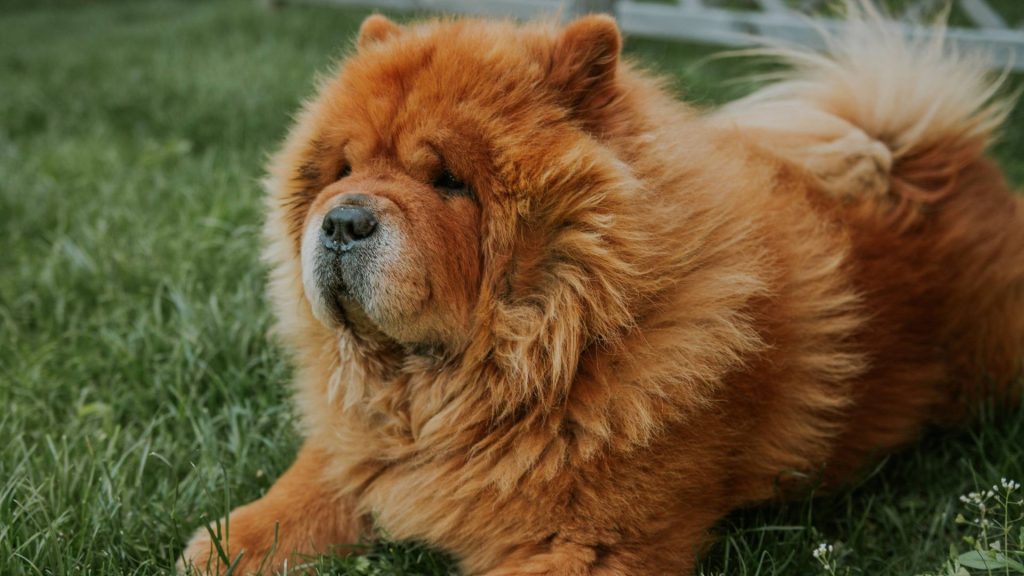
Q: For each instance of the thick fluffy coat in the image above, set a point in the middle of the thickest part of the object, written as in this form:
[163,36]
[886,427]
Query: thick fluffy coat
[554,321]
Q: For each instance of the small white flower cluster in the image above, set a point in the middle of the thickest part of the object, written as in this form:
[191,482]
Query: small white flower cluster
[994,513]
[825,557]
[824,550]
[1009,485]
[977,498]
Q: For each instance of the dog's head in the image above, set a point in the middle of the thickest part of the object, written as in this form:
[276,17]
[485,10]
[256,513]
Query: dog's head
[450,189]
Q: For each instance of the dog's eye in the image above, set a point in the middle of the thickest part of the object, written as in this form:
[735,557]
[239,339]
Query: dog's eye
[344,171]
[449,185]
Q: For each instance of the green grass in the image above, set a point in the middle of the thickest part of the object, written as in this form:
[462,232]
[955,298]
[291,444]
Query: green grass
[139,392]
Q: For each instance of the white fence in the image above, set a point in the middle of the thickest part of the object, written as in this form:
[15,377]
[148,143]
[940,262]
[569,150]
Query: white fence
[738,22]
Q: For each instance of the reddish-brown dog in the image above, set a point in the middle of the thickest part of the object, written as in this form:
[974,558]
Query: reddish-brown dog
[553,321]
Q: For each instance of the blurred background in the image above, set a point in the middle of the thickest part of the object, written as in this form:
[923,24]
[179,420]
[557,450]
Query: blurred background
[140,392]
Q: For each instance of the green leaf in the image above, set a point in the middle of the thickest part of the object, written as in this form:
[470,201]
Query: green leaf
[989,561]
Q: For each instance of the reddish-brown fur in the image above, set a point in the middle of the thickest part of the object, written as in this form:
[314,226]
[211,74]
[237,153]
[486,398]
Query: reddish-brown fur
[650,316]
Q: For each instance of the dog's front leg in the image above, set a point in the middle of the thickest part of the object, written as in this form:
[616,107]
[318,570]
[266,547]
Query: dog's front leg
[300,516]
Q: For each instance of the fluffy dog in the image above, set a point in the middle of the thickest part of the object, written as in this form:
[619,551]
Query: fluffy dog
[552,320]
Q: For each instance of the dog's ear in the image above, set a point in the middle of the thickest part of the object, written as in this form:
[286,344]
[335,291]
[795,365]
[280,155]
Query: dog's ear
[585,58]
[376,29]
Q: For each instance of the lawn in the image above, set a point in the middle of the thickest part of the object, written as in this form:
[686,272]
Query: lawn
[140,391]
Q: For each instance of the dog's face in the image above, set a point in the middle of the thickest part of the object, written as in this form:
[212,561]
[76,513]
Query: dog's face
[422,183]
[391,246]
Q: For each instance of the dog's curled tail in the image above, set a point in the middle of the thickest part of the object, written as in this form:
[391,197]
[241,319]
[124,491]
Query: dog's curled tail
[896,123]
[911,106]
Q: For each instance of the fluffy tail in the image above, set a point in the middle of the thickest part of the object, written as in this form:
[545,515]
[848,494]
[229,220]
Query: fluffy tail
[897,125]
[883,113]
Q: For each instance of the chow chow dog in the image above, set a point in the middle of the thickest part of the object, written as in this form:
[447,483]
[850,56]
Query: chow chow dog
[551,320]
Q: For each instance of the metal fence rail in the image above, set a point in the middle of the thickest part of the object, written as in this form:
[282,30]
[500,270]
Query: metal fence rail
[721,22]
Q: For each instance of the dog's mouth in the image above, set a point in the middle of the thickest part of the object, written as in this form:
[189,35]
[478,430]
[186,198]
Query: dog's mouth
[330,283]
[336,304]
[342,303]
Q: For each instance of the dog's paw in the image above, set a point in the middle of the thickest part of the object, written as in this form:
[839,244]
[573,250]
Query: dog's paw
[201,556]
[236,549]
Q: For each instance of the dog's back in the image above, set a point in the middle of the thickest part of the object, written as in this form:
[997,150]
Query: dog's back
[895,132]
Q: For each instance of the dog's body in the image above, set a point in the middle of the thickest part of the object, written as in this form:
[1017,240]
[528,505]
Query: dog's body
[631,318]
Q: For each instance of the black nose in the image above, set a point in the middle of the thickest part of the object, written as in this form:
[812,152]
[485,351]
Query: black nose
[345,225]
